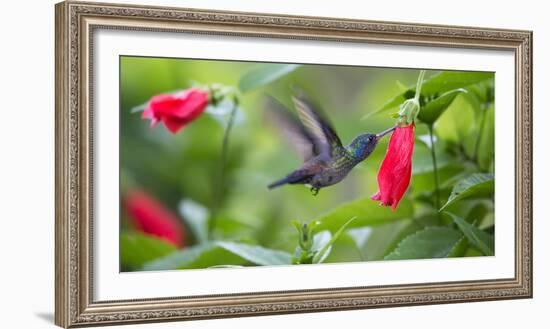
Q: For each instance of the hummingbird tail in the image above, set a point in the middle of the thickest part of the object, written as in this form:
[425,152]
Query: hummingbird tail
[295,177]
[279,183]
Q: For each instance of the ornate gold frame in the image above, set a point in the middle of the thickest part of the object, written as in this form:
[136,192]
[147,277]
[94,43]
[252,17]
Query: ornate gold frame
[76,22]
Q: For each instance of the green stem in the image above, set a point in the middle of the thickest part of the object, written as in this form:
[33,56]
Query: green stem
[220,182]
[408,111]
[434,163]
[419,84]
[432,144]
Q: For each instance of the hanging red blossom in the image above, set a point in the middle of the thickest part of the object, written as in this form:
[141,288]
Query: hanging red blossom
[176,110]
[151,217]
[394,175]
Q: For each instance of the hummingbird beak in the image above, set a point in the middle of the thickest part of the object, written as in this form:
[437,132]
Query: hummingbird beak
[385,132]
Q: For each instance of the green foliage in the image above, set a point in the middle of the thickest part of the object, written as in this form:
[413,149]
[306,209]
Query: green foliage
[264,74]
[137,249]
[457,127]
[366,212]
[198,256]
[476,185]
[460,248]
[316,254]
[256,254]
[219,253]
[422,162]
[487,221]
[314,248]
[485,151]
[436,85]
[139,108]
[477,237]
[449,80]
[431,242]
[239,222]
[195,216]
[325,250]
[434,108]
[383,239]
[308,243]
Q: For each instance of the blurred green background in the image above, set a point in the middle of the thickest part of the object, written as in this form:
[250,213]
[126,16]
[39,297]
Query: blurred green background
[181,171]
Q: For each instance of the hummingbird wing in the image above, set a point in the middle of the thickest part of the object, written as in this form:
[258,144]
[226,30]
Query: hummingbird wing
[325,138]
[295,133]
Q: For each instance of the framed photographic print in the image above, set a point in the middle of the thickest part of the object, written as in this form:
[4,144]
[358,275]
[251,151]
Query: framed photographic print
[218,164]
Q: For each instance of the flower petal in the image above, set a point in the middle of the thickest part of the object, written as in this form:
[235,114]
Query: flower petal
[176,110]
[395,171]
[150,216]
[174,124]
[192,104]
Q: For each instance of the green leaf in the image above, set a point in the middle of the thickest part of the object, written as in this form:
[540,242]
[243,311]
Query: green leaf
[422,159]
[476,185]
[449,80]
[481,94]
[401,86]
[457,125]
[325,251]
[139,108]
[431,242]
[226,266]
[219,253]
[431,111]
[486,151]
[195,216]
[367,211]
[344,250]
[487,221]
[460,248]
[256,254]
[136,249]
[360,235]
[437,84]
[198,256]
[477,237]
[475,213]
[473,252]
[385,238]
[232,229]
[320,239]
[264,74]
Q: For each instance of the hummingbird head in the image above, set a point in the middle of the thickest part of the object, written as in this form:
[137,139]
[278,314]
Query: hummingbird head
[363,145]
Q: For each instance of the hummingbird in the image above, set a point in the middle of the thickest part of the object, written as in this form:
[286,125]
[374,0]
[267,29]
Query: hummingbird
[326,160]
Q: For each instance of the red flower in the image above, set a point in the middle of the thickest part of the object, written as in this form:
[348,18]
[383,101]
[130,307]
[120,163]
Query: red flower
[176,110]
[394,175]
[151,217]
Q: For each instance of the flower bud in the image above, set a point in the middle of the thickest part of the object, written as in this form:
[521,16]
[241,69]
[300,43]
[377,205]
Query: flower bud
[408,112]
[176,110]
[151,217]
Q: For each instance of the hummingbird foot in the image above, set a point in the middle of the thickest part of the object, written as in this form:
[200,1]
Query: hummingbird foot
[314,190]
